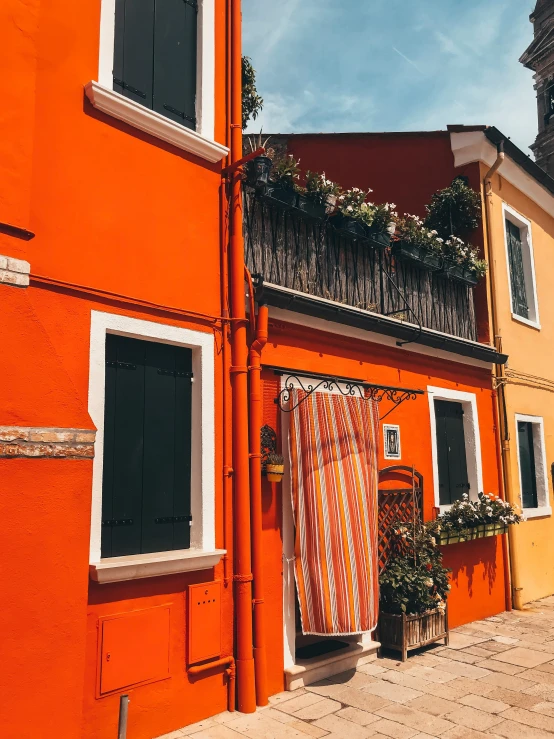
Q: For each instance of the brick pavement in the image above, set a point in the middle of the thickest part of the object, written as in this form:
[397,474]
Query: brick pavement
[496,679]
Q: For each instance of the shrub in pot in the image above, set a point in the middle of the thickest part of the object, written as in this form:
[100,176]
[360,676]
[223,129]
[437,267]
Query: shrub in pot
[257,170]
[414,587]
[275,467]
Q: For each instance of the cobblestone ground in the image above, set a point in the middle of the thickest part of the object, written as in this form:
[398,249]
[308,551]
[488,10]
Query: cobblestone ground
[496,679]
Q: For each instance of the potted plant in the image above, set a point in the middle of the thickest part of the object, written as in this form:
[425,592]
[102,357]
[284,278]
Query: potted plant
[383,224]
[415,243]
[466,519]
[350,206]
[454,210]
[275,467]
[462,263]
[282,189]
[258,169]
[414,587]
[319,196]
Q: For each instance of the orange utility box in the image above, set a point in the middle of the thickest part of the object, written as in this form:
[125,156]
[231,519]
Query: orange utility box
[204,622]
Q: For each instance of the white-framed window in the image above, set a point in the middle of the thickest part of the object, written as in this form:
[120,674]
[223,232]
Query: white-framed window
[521,267]
[156,70]
[533,472]
[202,553]
[455,445]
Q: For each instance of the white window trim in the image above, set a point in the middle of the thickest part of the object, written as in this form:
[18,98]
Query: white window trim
[472,439]
[102,95]
[541,470]
[202,553]
[508,213]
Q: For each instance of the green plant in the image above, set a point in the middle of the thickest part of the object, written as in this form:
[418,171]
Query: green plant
[465,255]
[456,210]
[256,141]
[319,188]
[353,203]
[252,103]
[466,514]
[385,217]
[410,229]
[414,580]
[275,459]
[286,172]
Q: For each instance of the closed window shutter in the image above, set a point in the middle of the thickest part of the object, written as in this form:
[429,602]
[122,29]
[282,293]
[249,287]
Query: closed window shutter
[155,49]
[517,272]
[134,50]
[146,503]
[451,451]
[175,40]
[527,465]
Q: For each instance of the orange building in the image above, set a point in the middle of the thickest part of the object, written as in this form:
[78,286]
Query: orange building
[117,127]
[343,314]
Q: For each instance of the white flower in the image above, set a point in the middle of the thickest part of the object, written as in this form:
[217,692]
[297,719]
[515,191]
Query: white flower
[429,583]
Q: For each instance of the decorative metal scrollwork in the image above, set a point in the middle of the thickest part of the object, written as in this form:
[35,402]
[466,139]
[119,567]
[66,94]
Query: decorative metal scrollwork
[366,391]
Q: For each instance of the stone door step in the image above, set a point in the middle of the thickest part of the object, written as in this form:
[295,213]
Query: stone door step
[306,672]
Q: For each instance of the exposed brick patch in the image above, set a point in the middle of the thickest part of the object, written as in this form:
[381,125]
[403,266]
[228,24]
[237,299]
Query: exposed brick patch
[53,443]
[14,272]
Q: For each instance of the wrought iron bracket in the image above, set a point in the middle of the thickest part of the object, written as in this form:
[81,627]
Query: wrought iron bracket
[345,386]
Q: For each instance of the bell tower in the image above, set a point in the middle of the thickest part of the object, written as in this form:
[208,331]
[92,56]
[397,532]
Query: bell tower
[540,58]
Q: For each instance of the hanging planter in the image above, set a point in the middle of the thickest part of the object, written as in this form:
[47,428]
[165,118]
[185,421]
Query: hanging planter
[459,273]
[275,467]
[405,251]
[310,208]
[280,196]
[349,226]
[406,632]
[378,239]
[257,171]
[477,532]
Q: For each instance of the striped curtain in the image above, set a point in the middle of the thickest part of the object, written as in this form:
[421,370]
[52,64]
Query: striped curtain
[333,454]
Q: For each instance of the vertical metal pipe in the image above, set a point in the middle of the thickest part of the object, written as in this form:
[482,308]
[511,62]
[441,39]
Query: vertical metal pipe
[239,374]
[123,715]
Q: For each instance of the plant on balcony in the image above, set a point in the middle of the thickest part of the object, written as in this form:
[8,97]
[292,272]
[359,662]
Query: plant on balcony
[454,210]
[416,243]
[283,186]
[466,519]
[461,261]
[414,587]
[257,170]
[363,219]
[319,196]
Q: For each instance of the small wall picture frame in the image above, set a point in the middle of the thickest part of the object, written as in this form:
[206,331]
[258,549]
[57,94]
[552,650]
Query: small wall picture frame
[391,439]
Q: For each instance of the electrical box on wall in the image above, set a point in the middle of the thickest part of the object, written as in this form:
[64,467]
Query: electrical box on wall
[204,622]
[134,649]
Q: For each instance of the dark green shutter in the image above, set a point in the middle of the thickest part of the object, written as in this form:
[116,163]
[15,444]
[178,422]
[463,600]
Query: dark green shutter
[155,49]
[451,451]
[527,464]
[147,459]
[134,50]
[517,273]
[175,60]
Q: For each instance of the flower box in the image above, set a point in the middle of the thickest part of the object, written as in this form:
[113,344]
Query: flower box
[477,532]
[406,632]
[349,226]
[310,207]
[379,239]
[406,252]
[281,197]
[459,273]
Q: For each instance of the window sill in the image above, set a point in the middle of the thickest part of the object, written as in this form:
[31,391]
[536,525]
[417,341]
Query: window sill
[526,321]
[138,566]
[157,125]
[541,512]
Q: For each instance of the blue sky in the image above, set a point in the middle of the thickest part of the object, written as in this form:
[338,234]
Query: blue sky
[391,65]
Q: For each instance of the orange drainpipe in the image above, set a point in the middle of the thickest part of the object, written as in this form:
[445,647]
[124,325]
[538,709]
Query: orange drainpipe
[505,550]
[229,663]
[239,379]
[255,368]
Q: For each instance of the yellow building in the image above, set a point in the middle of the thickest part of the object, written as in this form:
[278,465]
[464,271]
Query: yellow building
[518,223]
